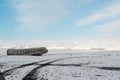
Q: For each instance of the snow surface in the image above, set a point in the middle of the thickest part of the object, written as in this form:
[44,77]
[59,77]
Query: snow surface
[84,65]
[72,60]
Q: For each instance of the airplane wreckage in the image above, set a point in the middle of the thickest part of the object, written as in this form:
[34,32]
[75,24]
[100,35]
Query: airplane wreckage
[28,51]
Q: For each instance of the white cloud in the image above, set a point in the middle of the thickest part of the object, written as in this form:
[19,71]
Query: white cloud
[111,11]
[111,27]
[36,14]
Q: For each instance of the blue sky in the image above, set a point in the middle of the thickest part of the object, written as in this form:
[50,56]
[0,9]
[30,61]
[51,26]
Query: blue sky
[59,19]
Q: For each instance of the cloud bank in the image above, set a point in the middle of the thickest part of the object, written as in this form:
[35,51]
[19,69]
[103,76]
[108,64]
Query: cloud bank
[109,12]
[105,21]
[36,14]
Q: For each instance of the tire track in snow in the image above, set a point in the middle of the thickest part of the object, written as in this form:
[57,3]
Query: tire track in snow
[32,75]
[8,72]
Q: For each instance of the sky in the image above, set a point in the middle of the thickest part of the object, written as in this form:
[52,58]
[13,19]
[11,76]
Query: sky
[59,19]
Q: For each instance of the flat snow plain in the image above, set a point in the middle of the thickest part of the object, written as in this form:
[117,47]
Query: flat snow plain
[83,65]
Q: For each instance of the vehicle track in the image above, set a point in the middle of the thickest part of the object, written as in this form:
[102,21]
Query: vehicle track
[32,75]
[7,72]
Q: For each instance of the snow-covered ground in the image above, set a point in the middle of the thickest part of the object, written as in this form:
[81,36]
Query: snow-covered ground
[83,65]
[72,60]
